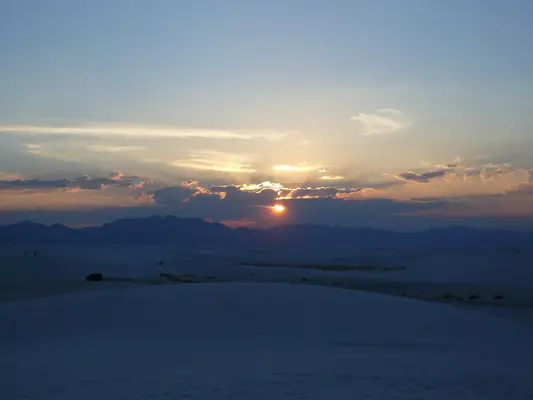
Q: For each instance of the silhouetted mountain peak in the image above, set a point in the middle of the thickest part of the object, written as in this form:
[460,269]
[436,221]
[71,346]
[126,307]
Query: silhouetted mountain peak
[196,231]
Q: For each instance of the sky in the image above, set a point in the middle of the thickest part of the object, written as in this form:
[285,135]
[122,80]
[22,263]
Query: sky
[395,114]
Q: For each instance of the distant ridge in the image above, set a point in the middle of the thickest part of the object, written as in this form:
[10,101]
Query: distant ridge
[197,232]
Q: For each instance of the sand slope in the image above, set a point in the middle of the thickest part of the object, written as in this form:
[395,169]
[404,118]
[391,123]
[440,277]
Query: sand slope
[264,341]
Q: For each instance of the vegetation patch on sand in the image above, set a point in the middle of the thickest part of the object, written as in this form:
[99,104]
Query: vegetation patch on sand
[367,268]
[181,278]
[188,278]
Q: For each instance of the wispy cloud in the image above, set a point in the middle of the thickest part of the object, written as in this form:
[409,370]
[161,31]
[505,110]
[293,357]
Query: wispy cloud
[33,149]
[493,170]
[303,167]
[331,177]
[321,193]
[525,187]
[456,170]
[8,176]
[143,131]
[208,160]
[425,177]
[392,111]
[383,121]
[47,151]
[102,148]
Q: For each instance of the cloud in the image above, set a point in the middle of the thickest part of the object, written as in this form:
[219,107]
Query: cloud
[102,148]
[188,191]
[455,170]
[8,176]
[320,192]
[35,184]
[485,172]
[33,149]
[331,177]
[252,202]
[392,111]
[170,195]
[303,167]
[276,191]
[456,163]
[209,160]
[263,194]
[255,187]
[328,199]
[388,122]
[47,151]
[219,202]
[523,188]
[324,192]
[129,130]
[493,170]
[226,202]
[425,177]
[463,199]
[115,179]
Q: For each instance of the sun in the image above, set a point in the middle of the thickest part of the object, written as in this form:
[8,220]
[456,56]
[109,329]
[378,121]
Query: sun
[278,208]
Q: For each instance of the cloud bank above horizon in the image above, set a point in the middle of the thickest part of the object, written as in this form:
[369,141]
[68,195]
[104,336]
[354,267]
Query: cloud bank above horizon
[455,193]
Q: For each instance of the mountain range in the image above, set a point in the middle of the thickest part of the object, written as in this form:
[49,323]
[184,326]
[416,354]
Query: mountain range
[200,233]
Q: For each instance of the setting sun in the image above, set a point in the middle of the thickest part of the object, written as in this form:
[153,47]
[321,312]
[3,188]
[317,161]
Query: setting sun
[278,208]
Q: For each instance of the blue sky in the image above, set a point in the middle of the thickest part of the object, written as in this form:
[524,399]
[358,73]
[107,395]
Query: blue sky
[394,100]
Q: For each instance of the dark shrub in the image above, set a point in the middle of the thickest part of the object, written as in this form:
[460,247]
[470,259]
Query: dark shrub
[94,277]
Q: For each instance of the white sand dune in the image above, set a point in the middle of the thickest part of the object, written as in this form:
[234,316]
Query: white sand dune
[260,341]
[64,338]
